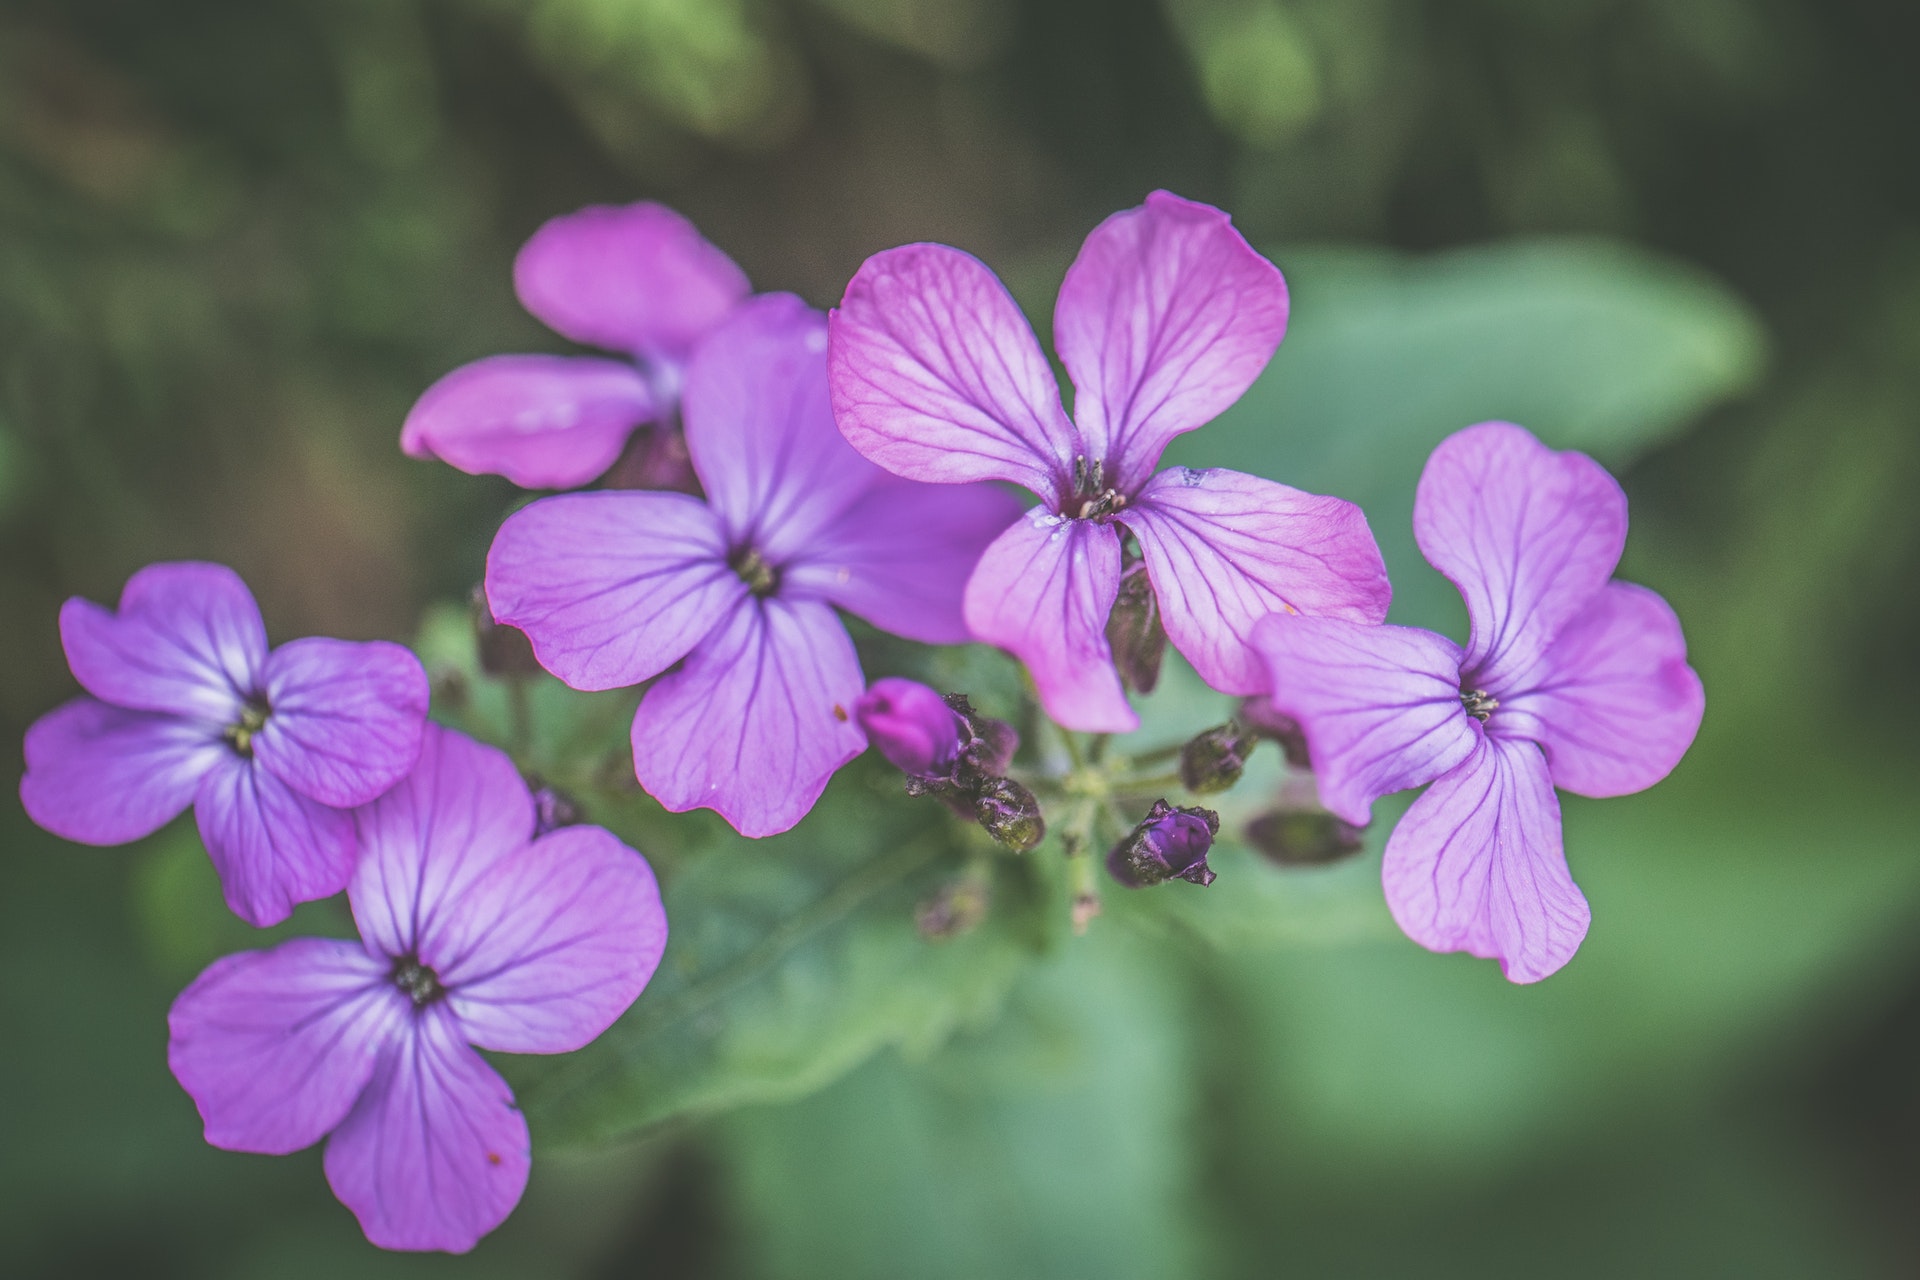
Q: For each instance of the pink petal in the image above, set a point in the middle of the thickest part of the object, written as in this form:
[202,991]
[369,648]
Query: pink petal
[636,278]
[552,944]
[272,846]
[1380,706]
[612,587]
[1528,535]
[901,556]
[187,639]
[1224,550]
[1165,319]
[1476,865]
[428,841]
[757,721]
[100,775]
[275,1046]
[346,717]
[1613,702]
[435,1154]
[1042,592]
[936,375]
[543,422]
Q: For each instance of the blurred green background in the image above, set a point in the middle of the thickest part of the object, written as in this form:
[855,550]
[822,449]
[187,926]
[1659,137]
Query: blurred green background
[237,237]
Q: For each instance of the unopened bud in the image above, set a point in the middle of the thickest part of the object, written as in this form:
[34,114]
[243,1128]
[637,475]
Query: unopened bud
[1134,632]
[1303,837]
[1214,760]
[1009,813]
[655,457]
[911,725]
[956,909]
[553,809]
[1267,720]
[504,651]
[1170,843]
[988,744]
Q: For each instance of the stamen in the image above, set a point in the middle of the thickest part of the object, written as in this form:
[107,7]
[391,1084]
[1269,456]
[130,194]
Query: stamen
[1479,704]
[253,718]
[421,984]
[761,578]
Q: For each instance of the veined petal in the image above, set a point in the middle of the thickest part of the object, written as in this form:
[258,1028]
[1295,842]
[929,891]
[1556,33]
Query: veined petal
[937,376]
[1380,706]
[100,775]
[1612,702]
[346,717]
[1528,535]
[425,843]
[1225,550]
[1165,319]
[435,1154]
[612,587]
[275,1046]
[187,638]
[1476,865]
[900,557]
[552,944]
[1042,592]
[272,846]
[636,278]
[543,422]
[757,721]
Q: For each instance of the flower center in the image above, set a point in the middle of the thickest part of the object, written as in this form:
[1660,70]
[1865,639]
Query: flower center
[761,578]
[421,984]
[253,718]
[1479,704]
[1092,495]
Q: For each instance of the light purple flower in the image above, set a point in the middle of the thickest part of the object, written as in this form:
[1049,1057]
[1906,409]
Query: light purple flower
[1165,318]
[473,933]
[636,279]
[1569,680]
[616,587]
[189,707]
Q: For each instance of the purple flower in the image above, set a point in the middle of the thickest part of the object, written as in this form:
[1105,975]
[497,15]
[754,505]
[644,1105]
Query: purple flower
[911,725]
[1166,317]
[190,708]
[636,279]
[616,587]
[473,933]
[1568,680]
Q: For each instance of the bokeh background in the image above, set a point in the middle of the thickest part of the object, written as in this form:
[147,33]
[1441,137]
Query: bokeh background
[237,237]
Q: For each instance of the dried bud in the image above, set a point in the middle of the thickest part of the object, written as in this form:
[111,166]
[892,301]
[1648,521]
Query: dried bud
[1214,760]
[505,652]
[911,725]
[956,909]
[553,809]
[1009,813]
[1134,632]
[1170,843]
[1303,837]
[987,744]
[1267,720]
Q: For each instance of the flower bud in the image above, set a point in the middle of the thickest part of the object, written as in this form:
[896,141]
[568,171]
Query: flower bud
[1171,842]
[1134,632]
[1009,813]
[1267,720]
[1214,760]
[655,457]
[505,652]
[553,809]
[911,725]
[1303,837]
[987,744]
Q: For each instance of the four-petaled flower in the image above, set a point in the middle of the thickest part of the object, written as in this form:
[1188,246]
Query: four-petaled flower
[1163,321]
[614,587]
[189,707]
[1569,679]
[637,279]
[473,933]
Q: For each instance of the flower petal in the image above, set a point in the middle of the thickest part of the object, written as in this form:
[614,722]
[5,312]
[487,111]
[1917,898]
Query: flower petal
[636,278]
[187,639]
[1165,319]
[612,587]
[1226,549]
[1042,592]
[1528,535]
[757,721]
[435,1154]
[1380,706]
[425,843]
[275,1046]
[1476,865]
[937,376]
[346,717]
[901,556]
[552,944]
[1612,702]
[543,422]
[100,775]
[272,846]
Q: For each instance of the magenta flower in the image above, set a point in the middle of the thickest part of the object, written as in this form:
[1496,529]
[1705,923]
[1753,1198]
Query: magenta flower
[1568,680]
[614,587]
[1165,318]
[189,707]
[473,933]
[636,279]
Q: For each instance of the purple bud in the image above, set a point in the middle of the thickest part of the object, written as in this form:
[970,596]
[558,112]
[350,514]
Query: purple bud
[1267,720]
[1134,632]
[1214,760]
[656,457]
[1303,837]
[989,744]
[553,809]
[911,725]
[1009,813]
[1171,843]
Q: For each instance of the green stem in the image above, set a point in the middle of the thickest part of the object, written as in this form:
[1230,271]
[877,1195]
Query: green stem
[1151,782]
